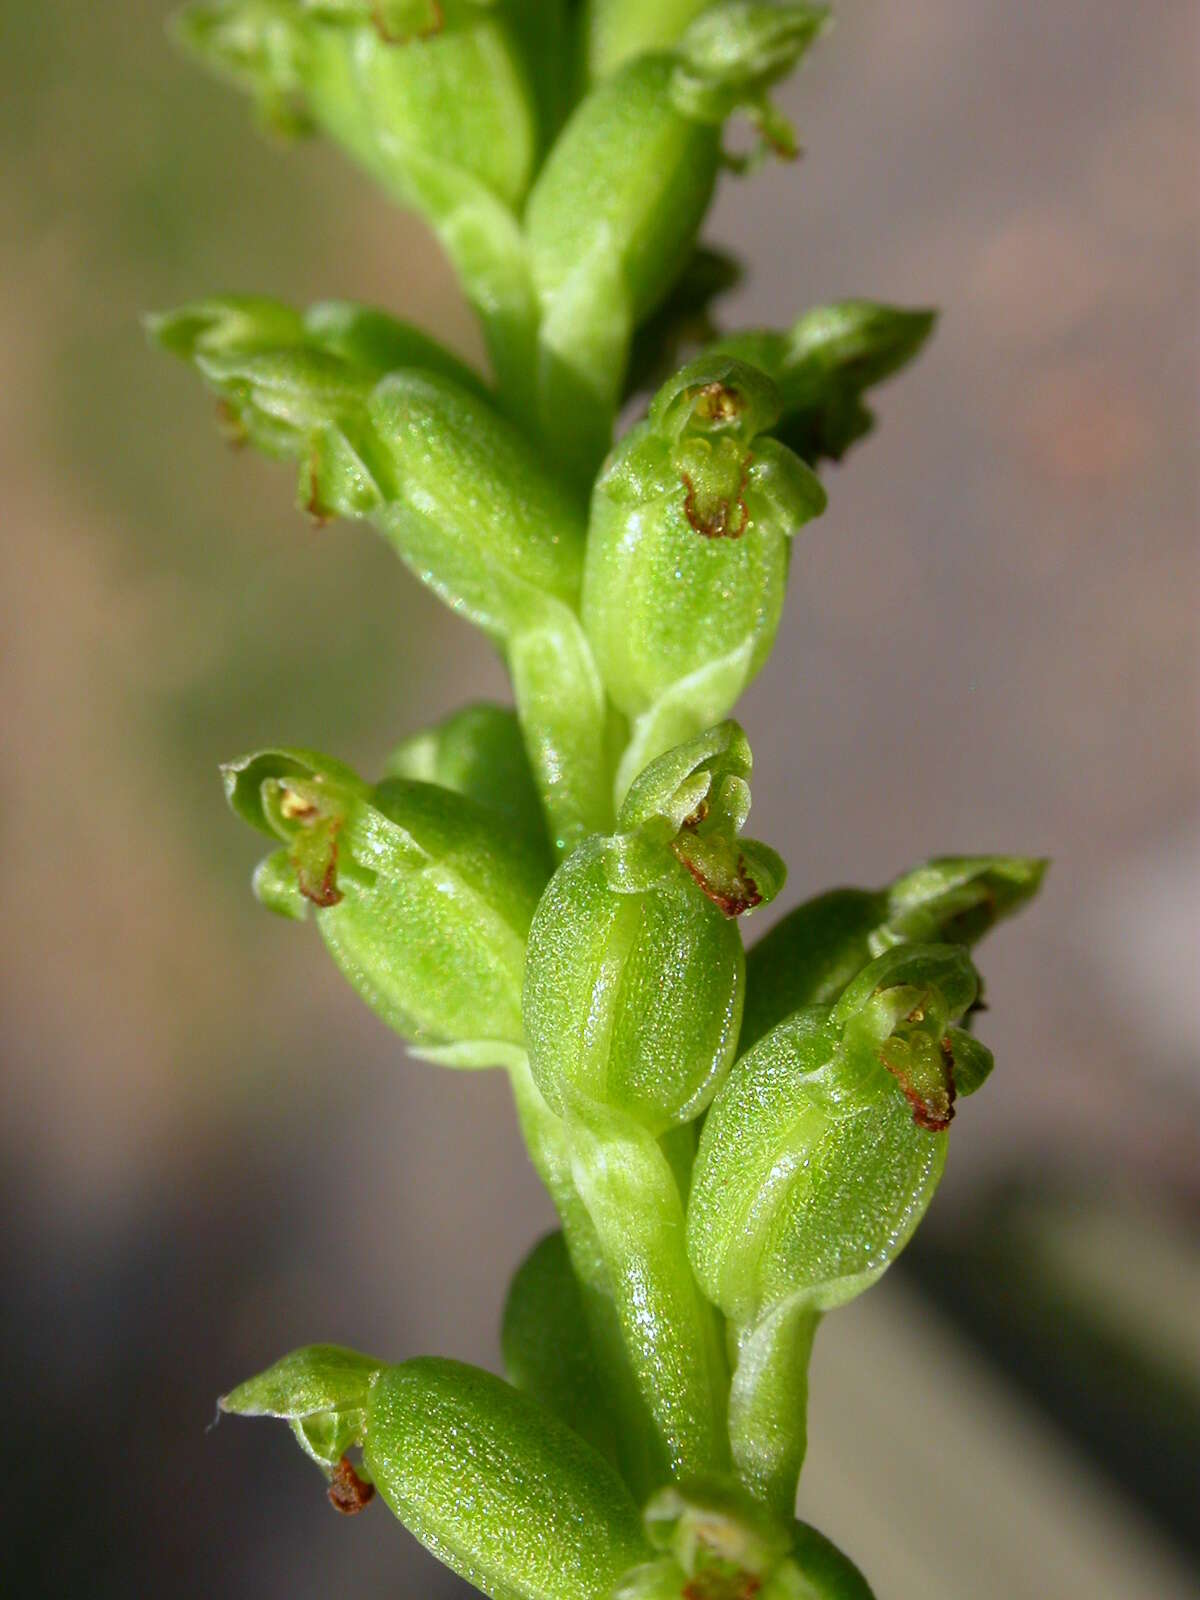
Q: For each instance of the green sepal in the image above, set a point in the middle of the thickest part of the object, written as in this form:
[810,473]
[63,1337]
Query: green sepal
[479,752]
[423,897]
[322,1390]
[971,1061]
[825,364]
[694,801]
[810,956]
[709,773]
[827,1573]
[496,1486]
[277,888]
[369,341]
[245,780]
[547,1346]
[959,898]
[735,53]
[897,1012]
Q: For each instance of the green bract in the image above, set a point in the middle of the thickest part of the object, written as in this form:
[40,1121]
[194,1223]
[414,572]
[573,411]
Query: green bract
[734,1146]
[421,898]
[687,552]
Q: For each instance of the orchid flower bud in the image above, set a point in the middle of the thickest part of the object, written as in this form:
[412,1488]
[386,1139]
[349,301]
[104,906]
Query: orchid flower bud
[825,364]
[868,1086]
[502,1491]
[613,216]
[402,84]
[458,492]
[422,897]
[632,1002]
[435,99]
[634,976]
[720,1543]
[470,508]
[296,385]
[813,953]
[817,1160]
[687,553]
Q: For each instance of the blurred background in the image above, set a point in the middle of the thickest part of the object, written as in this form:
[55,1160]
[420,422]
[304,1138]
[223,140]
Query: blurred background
[212,1153]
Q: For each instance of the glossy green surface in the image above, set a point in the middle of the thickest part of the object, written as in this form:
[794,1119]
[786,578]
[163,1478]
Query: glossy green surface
[497,1487]
[687,553]
[733,1148]
[422,898]
[810,956]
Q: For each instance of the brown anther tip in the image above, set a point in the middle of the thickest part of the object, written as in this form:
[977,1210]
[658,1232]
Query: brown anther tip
[319,513]
[347,1492]
[715,402]
[230,426]
[326,893]
[720,1586]
[933,1119]
[295,807]
[391,35]
[718,525]
[731,902]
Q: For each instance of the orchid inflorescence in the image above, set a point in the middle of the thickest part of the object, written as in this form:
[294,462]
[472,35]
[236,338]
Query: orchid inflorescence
[734,1145]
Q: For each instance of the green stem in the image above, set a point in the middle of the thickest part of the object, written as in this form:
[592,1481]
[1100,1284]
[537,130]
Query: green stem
[768,1403]
[641,1458]
[671,1333]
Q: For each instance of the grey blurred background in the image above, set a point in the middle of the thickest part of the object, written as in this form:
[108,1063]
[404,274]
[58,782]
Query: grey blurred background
[211,1153]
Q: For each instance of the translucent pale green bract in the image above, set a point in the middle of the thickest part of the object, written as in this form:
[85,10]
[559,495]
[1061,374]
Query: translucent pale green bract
[734,1146]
